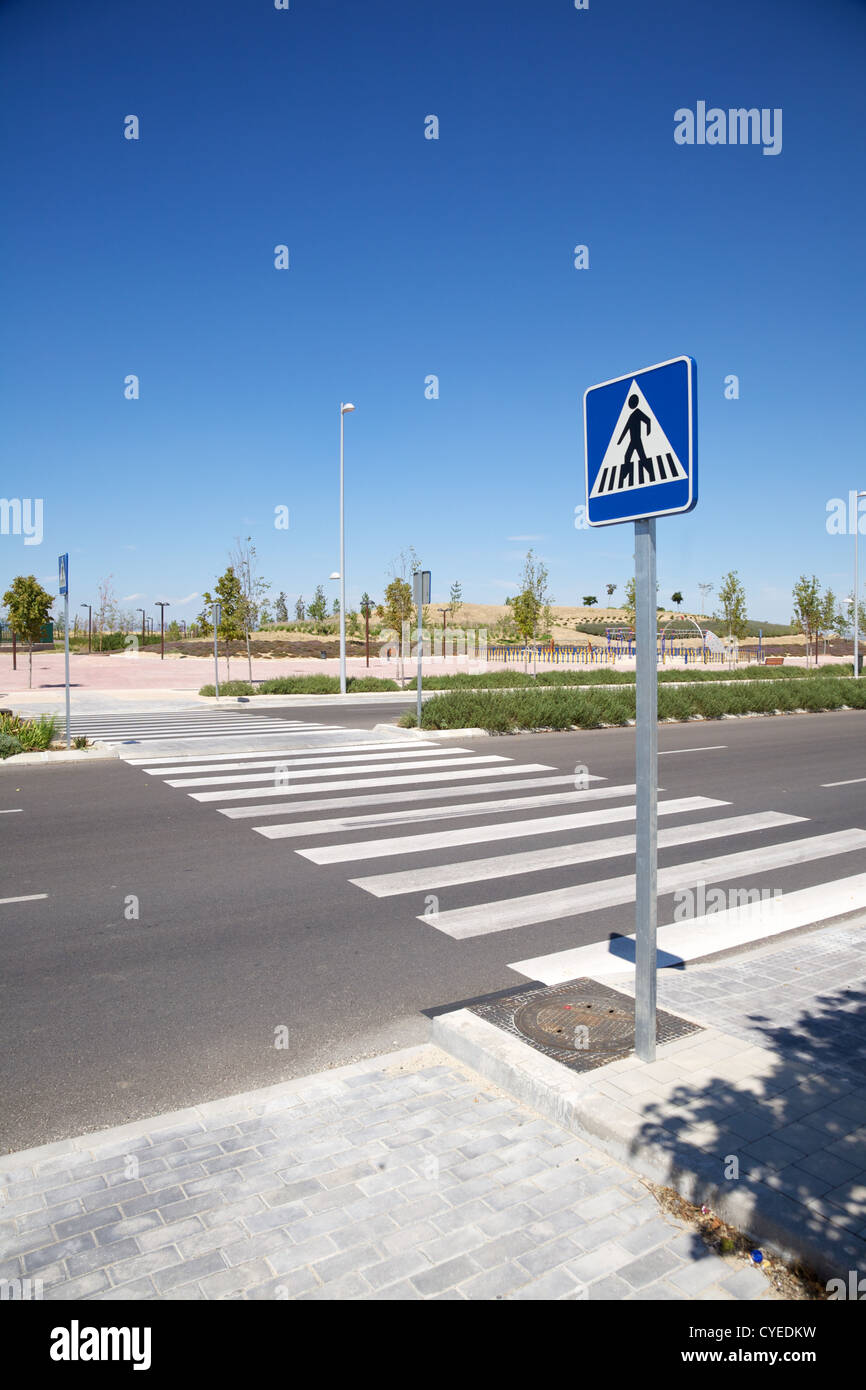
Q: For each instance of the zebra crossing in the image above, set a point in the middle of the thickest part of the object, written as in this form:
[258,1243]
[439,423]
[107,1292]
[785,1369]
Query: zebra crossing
[478,824]
[153,726]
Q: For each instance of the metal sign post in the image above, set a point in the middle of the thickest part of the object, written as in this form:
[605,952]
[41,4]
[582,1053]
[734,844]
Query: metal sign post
[421,594]
[63,568]
[217,614]
[646,783]
[640,435]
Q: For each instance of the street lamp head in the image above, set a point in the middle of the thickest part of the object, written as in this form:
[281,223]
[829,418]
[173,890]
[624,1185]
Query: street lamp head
[335,575]
[344,409]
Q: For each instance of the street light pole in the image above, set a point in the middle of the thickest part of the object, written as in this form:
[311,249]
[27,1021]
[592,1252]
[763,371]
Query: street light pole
[344,410]
[143,621]
[162,607]
[857,496]
[89,607]
[444,611]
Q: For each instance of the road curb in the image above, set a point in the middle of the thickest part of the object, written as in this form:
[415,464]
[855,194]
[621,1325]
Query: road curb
[571,1100]
[96,754]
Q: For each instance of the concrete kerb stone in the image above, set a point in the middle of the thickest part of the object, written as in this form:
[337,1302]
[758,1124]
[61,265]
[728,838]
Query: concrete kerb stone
[59,757]
[573,1101]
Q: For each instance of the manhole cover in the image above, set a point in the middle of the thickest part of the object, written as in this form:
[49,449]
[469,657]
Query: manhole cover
[582,1024]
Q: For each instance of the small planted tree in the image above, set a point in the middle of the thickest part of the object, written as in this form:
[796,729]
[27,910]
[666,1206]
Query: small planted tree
[28,606]
[677,598]
[732,598]
[366,607]
[300,609]
[317,608]
[281,612]
[589,600]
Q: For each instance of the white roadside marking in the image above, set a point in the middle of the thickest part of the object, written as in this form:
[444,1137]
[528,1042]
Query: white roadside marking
[341,770]
[507,865]
[703,936]
[263,772]
[476,834]
[850,782]
[337,803]
[710,748]
[507,913]
[361,782]
[27,898]
[12,811]
[425,813]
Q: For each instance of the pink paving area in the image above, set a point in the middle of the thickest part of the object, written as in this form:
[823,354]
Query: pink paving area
[145,671]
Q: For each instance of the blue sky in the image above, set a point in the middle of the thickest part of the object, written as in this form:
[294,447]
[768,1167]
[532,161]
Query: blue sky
[411,257]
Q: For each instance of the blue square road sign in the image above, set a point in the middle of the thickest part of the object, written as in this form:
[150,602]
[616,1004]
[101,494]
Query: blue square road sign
[640,438]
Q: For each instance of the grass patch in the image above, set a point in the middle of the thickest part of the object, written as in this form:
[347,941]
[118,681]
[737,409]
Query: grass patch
[506,712]
[511,680]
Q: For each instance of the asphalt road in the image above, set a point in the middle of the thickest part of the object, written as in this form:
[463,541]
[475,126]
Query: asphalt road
[109,1017]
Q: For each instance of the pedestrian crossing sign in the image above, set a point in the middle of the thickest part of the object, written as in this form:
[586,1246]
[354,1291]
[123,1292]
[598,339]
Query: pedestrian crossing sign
[640,438]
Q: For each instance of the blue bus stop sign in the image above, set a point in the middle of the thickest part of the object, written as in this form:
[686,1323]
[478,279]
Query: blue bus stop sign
[640,436]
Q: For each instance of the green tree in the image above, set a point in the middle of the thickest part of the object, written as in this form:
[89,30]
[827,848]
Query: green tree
[230,596]
[300,610]
[456,601]
[589,600]
[317,608]
[815,612]
[28,606]
[281,612]
[630,602]
[677,598]
[611,590]
[732,598]
[532,604]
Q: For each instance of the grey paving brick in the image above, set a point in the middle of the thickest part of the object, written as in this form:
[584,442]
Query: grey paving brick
[444,1276]
[555,1284]
[395,1269]
[293,1257]
[136,1292]
[211,1238]
[232,1282]
[100,1256]
[284,1287]
[541,1258]
[647,1268]
[747,1282]
[138,1267]
[498,1282]
[72,1248]
[168,1235]
[336,1267]
[85,1287]
[187,1272]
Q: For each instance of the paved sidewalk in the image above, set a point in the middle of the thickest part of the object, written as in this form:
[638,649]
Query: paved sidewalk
[762,1114]
[404,1177]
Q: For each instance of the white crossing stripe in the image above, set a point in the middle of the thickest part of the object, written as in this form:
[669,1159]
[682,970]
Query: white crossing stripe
[155,763]
[427,813]
[318,762]
[850,782]
[528,910]
[710,748]
[259,762]
[12,811]
[187,724]
[507,865]
[441,839]
[703,936]
[337,803]
[451,775]
[27,898]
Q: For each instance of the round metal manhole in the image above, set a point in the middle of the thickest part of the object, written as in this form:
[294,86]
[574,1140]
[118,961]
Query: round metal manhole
[579,1021]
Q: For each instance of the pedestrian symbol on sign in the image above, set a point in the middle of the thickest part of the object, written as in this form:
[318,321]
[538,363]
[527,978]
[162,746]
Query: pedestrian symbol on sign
[636,465]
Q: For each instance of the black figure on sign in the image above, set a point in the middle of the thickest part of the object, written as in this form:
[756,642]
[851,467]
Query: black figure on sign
[635,445]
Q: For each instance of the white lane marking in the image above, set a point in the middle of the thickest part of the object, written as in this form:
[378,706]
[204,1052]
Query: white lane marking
[11,811]
[461,761]
[507,913]
[264,772]
[507,865]
[710,748]
[425,813]
[337,803]
[452,775]
[702,936]
[477,834]
[153,763]
[27,898]
[850,782]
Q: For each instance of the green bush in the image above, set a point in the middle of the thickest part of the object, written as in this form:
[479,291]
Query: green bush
[301,685]
[32,735]
[9,745]
[505,711]
[230,688]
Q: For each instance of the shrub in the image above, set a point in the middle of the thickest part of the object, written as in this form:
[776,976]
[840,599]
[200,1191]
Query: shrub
[30,734]
[9,745]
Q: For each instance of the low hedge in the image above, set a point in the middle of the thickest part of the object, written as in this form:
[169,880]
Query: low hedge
[30,735]
[493,680]
[504,712]
[302,685]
